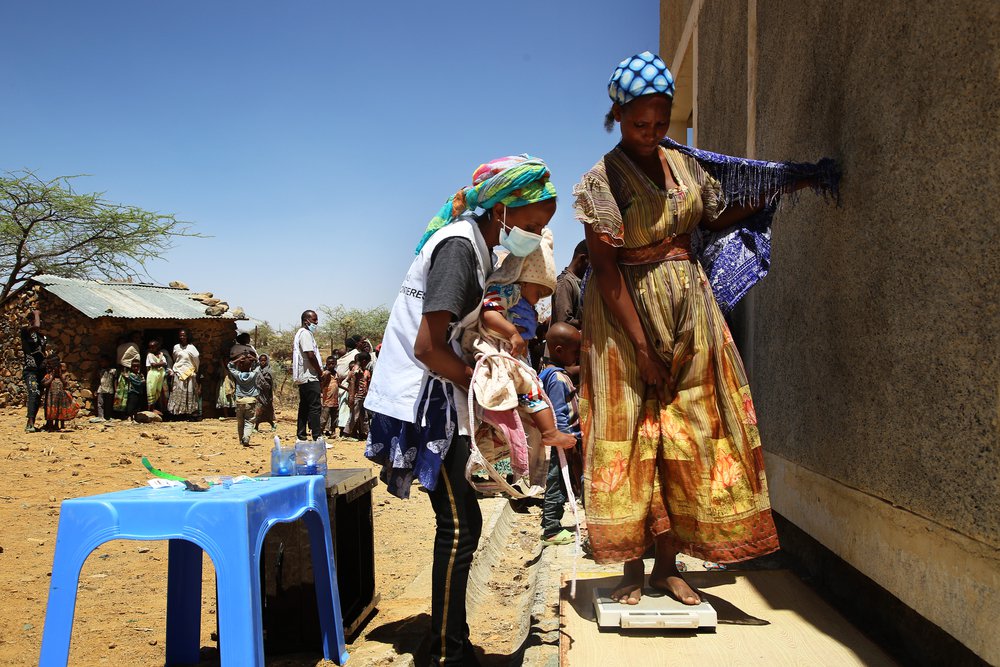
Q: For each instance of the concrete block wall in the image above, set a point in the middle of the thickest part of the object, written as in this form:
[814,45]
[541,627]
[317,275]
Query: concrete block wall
[875,351]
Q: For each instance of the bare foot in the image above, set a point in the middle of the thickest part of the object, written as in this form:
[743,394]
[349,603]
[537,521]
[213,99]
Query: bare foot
[558,439]
[629,589]
[665,577]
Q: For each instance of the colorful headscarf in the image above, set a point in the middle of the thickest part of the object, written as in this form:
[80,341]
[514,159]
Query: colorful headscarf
[515,180]
[642,74]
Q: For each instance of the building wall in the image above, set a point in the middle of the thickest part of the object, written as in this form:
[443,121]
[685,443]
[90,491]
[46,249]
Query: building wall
[80,342]
[875,337]
[722,77]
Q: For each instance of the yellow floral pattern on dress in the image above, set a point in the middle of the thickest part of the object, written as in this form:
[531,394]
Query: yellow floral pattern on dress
[689,466]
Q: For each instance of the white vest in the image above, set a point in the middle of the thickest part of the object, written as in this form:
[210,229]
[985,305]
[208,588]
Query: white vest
[399,378]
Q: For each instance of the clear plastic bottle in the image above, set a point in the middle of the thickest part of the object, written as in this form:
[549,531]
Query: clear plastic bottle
[282,459]
[310,457]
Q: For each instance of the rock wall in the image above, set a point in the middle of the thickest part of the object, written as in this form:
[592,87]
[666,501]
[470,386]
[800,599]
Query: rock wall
[12,318]
[80,342]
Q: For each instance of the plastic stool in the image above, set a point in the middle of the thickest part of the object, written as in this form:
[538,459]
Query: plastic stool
[230,525]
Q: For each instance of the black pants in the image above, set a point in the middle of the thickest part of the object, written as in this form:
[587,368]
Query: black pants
[459,524]
[32,386]
[134,403]
[310,406]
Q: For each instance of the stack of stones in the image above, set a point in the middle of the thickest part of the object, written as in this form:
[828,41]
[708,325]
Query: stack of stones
[11,358]
[74,342]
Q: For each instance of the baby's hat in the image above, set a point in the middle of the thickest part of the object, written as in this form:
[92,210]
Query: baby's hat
[540,266]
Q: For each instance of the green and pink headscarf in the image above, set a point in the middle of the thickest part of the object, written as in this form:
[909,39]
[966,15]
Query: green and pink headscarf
[514,180]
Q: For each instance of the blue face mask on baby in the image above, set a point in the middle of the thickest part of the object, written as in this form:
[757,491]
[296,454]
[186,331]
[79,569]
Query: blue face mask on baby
[519,242]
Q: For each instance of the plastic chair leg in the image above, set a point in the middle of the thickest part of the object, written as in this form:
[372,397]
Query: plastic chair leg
[327,593]
[241,640]
[183,602]
[66,565]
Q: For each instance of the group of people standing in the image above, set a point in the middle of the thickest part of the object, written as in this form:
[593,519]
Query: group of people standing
[344,385]
[133,381]
[169,383]
[166,382]
[672,457]
[331,394]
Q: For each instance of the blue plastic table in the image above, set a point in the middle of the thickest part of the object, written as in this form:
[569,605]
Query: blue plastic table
[228,524]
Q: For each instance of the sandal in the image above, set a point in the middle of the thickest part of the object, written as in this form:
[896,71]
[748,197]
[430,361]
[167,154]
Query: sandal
[560,538]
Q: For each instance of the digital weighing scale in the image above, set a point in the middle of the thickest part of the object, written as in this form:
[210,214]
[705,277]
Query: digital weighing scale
[658,611]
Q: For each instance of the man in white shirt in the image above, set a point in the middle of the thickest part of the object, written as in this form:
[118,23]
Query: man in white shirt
[306,371]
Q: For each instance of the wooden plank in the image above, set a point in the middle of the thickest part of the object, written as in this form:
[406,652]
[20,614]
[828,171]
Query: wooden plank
[765,618]
[690,23]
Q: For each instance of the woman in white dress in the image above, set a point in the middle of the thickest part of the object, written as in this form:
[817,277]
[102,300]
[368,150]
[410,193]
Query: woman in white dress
[158,364]
[184,397]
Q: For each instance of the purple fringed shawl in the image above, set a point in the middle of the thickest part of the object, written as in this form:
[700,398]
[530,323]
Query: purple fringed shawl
[735,259]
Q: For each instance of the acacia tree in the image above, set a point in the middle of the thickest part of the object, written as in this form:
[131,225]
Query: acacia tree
[264,334]
[279,344]
[339,322]
[46,227]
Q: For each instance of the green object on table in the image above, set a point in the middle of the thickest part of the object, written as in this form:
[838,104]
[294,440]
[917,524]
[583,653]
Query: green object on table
[188,484]
[159,473]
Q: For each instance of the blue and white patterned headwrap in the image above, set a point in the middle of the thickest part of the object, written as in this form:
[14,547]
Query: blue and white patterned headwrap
[642,74]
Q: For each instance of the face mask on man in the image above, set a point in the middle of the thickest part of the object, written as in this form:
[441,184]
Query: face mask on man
[519,242]
[312,327]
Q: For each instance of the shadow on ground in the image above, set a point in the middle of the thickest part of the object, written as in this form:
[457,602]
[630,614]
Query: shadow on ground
[411,636]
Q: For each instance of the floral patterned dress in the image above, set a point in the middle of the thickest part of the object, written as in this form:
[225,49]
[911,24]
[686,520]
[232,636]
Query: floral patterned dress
[59,403]
[689,466]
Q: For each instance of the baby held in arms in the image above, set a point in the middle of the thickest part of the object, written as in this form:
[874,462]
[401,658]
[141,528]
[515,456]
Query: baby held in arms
[508,319]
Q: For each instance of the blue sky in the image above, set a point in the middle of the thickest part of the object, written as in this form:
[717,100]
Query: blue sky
[311,140]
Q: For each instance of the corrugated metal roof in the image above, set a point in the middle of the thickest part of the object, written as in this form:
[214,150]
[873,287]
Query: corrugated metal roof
[95,298]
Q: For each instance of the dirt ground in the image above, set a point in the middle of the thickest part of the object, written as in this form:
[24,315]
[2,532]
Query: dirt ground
[121,603]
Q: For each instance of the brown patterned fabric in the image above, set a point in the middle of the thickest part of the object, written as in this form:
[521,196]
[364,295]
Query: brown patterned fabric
[670,249]
[688,465]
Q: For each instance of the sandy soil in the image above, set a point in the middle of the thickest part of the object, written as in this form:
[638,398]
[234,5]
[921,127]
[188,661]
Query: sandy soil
[121,605]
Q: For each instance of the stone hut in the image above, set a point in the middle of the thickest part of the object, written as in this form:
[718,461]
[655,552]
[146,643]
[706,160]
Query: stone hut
[87,319]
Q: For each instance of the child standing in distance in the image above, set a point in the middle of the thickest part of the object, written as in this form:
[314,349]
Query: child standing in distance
[329,397]
[564,351]
[265,395]
[59,404]
[357,388]
[135,385]
[244,371]
[105,387]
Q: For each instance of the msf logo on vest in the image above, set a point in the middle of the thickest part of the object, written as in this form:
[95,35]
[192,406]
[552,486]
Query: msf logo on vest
[411,291]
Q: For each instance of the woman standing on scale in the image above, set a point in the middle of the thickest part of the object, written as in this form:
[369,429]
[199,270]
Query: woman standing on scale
[673,455]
